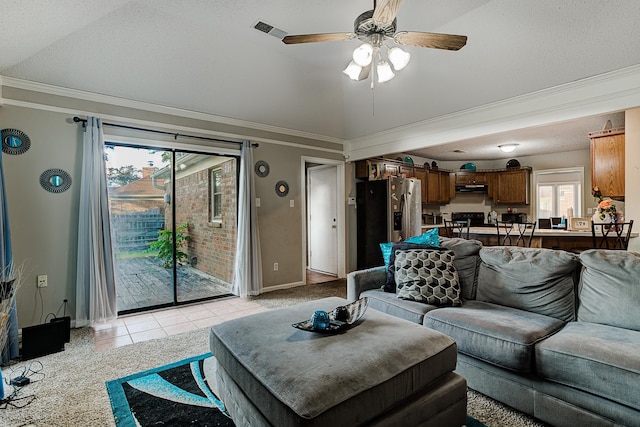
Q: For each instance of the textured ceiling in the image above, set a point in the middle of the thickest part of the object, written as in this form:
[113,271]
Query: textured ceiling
[205,56]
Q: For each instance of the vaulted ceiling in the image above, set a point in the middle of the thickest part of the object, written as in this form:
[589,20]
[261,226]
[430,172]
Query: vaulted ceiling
[206,56]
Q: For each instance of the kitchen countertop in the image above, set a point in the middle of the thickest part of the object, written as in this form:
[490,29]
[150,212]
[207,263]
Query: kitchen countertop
[542,232]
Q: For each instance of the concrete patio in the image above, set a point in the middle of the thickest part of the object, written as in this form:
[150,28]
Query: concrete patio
[143,282]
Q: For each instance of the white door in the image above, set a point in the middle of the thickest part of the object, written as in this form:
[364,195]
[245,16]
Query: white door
[322,230]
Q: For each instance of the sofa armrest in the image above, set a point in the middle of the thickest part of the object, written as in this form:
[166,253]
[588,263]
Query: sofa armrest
[363,280]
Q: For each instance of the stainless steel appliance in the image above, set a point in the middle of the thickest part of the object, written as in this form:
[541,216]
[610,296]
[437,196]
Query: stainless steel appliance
[387,211]
[476,218]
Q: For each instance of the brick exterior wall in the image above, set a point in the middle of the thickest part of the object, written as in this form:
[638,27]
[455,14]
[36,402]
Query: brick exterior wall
[213,246]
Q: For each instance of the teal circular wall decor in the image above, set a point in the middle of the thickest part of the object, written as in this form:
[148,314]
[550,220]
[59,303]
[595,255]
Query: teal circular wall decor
[55,180]
[15,141]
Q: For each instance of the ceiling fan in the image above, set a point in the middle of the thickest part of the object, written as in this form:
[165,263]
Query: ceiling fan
[373,28]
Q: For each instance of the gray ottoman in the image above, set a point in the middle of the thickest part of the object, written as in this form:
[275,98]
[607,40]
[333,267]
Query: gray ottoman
[382,371]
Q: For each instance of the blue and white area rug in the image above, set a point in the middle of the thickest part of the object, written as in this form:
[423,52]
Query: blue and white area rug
[177,394]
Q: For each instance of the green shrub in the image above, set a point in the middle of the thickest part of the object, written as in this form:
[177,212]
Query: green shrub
[164,245]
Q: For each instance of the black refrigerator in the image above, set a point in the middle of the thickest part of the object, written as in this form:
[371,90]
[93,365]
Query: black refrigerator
[388,210]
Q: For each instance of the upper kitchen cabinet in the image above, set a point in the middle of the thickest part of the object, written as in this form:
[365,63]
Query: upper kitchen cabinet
[607,162]
[470,177]
[438,186]
[511,187]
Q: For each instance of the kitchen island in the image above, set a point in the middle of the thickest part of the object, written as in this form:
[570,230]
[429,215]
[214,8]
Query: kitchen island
[543,238]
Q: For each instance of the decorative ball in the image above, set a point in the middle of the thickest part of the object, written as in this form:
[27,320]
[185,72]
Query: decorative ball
[320,319]
[341,313]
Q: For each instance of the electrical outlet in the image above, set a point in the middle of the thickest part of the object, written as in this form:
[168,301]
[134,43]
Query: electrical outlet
[590,211]
[292,203]
[42,281]
[275,266]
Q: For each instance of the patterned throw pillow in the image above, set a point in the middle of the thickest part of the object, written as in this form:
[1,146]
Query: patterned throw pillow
[427,275]
[390,284]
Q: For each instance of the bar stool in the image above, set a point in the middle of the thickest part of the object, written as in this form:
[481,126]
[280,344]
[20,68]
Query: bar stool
[607,235]
[521,232]
[457,228]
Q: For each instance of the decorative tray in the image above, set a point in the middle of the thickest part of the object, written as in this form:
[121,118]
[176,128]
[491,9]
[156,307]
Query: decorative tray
[340,318]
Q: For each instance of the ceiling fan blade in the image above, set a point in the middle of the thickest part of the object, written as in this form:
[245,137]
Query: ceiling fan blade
[312,38]
[432,40]
[385,11]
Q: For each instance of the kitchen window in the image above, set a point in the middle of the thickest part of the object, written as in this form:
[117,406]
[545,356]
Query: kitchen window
[557,191]
[216,195]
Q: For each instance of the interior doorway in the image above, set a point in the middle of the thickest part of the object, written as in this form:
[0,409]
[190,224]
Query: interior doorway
[323,220]
[322,229]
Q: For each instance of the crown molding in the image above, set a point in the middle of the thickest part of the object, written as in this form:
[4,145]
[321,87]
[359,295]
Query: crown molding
[604,93]
[156,108]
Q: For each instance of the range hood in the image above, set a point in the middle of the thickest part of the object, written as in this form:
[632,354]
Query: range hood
[471,188]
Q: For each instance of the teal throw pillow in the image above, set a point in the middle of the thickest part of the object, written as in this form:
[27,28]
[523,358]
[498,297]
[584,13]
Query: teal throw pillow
[430,238]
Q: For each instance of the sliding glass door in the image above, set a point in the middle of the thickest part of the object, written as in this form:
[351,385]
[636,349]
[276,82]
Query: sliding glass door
[173,217]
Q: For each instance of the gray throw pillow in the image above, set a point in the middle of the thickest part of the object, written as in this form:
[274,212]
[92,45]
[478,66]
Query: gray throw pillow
[427,275]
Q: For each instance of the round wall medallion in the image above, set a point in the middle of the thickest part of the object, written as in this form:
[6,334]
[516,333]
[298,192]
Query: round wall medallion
[261,168]
[15,141]
[55,180]
[282,188]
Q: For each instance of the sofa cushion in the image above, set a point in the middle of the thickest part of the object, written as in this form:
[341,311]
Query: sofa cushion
[385,302]
[429,238]
[427,275]
[390,284]
[466,262]
[610,288]
[599,359]
[499,335]
[537,280]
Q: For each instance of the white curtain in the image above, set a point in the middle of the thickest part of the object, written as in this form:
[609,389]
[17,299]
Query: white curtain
[247,278]
[95,284]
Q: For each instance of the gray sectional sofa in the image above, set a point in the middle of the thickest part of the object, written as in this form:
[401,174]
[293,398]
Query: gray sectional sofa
[547,332]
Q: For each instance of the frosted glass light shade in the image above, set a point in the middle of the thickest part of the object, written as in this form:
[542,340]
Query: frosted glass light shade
[399,58]
[363,55]
[385,73]
[353,70]
[507,148]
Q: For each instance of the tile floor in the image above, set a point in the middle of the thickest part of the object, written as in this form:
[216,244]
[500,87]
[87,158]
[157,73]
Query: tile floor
[162,323]
[171,321]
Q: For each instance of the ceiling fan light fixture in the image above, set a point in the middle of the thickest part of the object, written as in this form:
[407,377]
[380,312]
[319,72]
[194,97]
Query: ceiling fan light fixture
[399,58]
[507,148]
[353,70]
[385,73]
[363,55]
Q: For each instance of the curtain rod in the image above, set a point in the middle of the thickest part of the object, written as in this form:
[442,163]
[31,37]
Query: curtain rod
[174,134]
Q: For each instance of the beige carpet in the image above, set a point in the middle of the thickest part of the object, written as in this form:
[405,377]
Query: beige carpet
[73,393]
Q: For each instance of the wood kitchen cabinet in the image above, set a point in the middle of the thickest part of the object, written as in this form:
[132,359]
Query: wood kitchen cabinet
[512,187]
[465,178]
[607,162]
[438,186]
